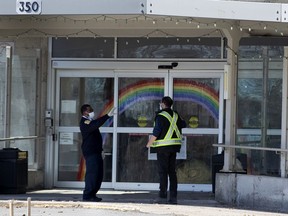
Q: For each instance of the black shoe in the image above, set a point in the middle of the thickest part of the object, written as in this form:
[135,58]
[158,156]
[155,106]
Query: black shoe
[160,200]
[172,201]
[93,199]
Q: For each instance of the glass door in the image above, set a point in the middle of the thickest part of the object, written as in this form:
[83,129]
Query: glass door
[139,94]
[197,95]
[75,88]
[198,99]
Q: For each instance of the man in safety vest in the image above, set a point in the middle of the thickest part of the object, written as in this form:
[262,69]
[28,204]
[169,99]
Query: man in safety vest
[166,141]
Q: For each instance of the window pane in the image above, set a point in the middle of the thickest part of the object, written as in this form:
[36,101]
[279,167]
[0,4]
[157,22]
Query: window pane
[132,164]
[259,108]
[169,48]
[71,162]
[197,101]
[138,100]
[75,91]
[83,47]
[261,162]
[196,169]
[24,105]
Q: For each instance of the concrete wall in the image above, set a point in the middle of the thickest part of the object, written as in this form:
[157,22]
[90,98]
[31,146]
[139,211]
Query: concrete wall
[257,192]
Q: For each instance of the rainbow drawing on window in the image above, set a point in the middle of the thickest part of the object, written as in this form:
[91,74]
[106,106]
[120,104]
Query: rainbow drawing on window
[184,90]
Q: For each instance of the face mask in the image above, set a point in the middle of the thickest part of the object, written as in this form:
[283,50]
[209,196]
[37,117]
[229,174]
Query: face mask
[91,115]
[160,107]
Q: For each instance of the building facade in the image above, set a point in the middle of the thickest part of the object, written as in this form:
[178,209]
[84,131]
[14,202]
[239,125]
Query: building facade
[224,65]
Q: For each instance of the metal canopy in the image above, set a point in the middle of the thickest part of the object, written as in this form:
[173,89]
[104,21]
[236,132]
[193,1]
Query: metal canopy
[80,7]
[216,9]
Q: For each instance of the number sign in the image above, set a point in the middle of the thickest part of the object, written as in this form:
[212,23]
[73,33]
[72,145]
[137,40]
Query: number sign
[28,6]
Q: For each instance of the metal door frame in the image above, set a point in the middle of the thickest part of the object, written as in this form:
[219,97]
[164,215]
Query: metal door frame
[128,69]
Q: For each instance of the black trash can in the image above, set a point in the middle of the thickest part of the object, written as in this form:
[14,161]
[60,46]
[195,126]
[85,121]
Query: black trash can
[217,165]
[14,171]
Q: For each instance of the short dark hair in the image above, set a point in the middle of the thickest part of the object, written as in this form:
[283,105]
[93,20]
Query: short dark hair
[167,101]
[84,107]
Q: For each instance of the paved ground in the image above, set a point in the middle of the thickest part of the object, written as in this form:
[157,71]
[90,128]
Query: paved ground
[66,202]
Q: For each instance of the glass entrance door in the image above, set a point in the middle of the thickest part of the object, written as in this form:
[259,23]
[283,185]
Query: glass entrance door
[197,97]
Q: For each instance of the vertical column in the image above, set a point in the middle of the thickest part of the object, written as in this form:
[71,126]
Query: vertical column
[284,129]
[7,116]
[233,38]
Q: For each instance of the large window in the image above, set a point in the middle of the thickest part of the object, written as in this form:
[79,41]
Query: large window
[260,104]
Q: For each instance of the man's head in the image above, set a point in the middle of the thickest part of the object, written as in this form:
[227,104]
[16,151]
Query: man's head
[167,102]
[86,109]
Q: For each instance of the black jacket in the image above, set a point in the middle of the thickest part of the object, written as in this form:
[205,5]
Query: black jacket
[162,125]
[91,136]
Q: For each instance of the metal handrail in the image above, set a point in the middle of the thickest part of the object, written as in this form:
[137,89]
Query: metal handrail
[250,147]
[17,138]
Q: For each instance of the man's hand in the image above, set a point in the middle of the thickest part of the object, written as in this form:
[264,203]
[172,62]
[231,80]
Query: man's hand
[112,112]
[144,150]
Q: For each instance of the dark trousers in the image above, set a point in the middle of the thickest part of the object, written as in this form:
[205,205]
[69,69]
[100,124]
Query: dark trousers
[93,176]
[167,168]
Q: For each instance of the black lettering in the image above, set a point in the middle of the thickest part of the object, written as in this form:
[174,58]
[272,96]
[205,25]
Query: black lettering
[35,6]
[21,6]
[28,7]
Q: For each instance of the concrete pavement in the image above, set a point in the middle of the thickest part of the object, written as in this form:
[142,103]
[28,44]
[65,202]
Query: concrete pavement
[66,202]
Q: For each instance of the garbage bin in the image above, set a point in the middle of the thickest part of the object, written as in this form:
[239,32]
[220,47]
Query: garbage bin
[217,165]
[14,171]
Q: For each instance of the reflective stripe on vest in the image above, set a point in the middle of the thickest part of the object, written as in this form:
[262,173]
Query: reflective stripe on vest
[168,140]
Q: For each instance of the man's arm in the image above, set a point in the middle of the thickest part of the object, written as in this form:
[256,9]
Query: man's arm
[151,140]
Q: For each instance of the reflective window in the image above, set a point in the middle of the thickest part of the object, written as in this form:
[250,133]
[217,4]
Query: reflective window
[197,101]
[195,169]
[24,106]
[83,47]
[261,162]
[138,100]
[259,103]
[71,162]
[132,164]
[169,48]
[76,91]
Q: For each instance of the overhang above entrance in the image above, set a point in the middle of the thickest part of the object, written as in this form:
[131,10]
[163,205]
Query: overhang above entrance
[144,18]
[234,10]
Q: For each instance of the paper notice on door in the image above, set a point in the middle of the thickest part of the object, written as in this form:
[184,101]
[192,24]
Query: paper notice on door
[66,139]
[68,106]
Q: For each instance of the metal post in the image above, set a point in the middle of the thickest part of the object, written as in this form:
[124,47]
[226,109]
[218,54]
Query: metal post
[11,208]
[7,116]
[264,125]
[284,128]
[29,206]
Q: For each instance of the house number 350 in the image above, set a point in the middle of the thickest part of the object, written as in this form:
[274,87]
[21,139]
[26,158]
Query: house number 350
[28,6]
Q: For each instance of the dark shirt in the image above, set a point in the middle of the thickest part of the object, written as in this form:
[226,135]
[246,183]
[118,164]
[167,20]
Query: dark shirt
[161,127]
[91,136]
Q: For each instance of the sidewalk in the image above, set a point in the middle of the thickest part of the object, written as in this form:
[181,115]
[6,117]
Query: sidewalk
[66,202]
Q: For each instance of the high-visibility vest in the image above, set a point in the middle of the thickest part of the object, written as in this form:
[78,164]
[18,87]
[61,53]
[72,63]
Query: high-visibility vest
[168,140]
